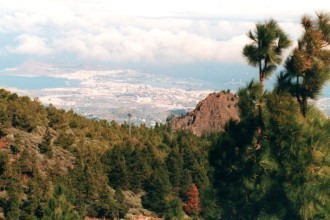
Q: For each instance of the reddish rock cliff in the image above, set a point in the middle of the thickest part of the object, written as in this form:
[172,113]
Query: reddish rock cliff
[210,115]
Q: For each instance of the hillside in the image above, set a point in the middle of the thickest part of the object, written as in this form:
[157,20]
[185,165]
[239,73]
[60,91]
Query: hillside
[51,159]
[210,114]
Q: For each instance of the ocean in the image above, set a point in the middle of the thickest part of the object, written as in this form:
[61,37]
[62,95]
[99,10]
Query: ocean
[35,83]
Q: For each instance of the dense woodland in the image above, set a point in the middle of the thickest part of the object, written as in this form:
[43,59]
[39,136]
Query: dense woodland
[272,164]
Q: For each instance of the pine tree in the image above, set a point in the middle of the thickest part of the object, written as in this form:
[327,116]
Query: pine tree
[265,52]
[157,189]
[300,146]
[12,211]
[59,207]
[210,207]
[117,170]
[4,159]
[45,147]
[192,207]
[139,170]
[12,206]
[174,211]
[307,70]
[35,192]
[174,163]
[122,205]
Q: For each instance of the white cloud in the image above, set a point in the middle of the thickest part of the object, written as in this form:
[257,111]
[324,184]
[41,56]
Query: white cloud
[137,45]
[18,22]
[30,44]
[143,31]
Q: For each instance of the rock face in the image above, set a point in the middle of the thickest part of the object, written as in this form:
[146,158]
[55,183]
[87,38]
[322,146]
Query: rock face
[210,115]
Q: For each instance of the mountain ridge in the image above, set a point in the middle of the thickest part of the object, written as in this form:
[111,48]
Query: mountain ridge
[210,114]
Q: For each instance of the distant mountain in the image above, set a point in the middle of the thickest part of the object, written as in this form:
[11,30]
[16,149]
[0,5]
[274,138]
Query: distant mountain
[210,114]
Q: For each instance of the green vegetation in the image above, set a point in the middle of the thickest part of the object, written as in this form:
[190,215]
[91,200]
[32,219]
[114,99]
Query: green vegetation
[95,160]
[55,164]
[307,69]
[265,52]
[287,176]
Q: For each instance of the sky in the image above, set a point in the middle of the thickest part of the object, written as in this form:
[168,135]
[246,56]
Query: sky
[144,33]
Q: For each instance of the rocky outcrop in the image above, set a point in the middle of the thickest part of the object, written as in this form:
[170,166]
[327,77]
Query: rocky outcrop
[210,115]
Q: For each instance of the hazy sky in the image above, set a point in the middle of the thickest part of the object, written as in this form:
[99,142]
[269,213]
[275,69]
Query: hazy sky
[152,32]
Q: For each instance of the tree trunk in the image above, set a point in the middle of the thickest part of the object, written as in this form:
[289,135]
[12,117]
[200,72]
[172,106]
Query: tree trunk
[260,122]
[304,106]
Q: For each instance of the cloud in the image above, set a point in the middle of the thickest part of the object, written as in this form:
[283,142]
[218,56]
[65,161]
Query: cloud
[165,32]
[18,22]
[134,44]
[30,44]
